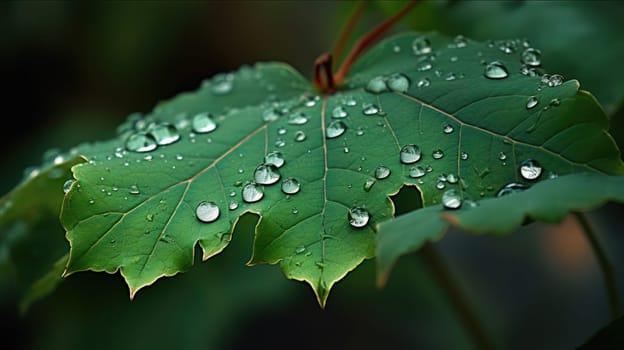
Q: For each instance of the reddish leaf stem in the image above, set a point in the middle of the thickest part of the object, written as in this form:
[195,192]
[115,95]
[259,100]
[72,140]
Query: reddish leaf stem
[367,40]
[323,77]
[347,30]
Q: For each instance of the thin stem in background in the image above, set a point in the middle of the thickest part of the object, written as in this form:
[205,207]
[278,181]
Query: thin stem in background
[603,263]
[368,39]
[447,283]
[347,30]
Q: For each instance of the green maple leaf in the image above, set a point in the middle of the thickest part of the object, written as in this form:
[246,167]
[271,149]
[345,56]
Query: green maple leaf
[460,120]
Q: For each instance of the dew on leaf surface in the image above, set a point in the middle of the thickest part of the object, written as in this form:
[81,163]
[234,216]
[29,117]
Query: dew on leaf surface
[530,169]
[203,123]
[266,174]
[335,129]
[339,112]
[252,193]
[164,133]
[416,172]
[141,142]
[409,154]
[510,188]
[532,57]
[451,199]
[358,217]
[382,172]
[496,70]
[276,158]
[421,45]
[290,186]
[207,211]
[398,82]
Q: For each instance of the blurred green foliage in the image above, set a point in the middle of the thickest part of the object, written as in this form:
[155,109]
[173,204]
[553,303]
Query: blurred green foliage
[75,70]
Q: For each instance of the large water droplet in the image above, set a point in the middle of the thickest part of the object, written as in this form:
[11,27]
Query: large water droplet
[532,57]
[495,70]
[502,156]
[349,101]
[271,115]
[276,158]
[290,186]
[552,80]
[511,188]
[448,129]
[451,199]
[437,154]
[377,85]
[464,156]
[233,205]
[416,172]
[207,211]
[134,189]
[222,84]
[368,184]
[203,123]
[67,185]
[165,133]
[252,193]
[358,217]
[339,112]
[266,174]
[141,142]
[452,178]
[410,153]
[532,102]
[335,129]
[460,41]
[530,169]
[421,46]
[398,82]
[300,136]
[424,66]
[423,83]
[298,118]
[382,172]
[370,109]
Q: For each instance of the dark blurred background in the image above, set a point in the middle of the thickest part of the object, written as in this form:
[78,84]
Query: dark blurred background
[72,71]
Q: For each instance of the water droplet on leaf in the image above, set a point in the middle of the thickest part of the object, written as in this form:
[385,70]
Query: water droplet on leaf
[382,172]
[451,199]
[370,109]
[141,142]
[222,84]
[437,154]
[377,85]
[358,217]
[495,70]
[339,112]
[335,129]
[290,186]
[511,188]
[448,128]
[207,211]
[422,83]
[532,57]
[300,136]
[532,102]
[530,169]
[368,184]
[298,118]
[421,46]
[398,82]
[410,153]
[252,193]
[203,123]
[416,172]
[276,158]
[164,133]
[266,174]
[67,185]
